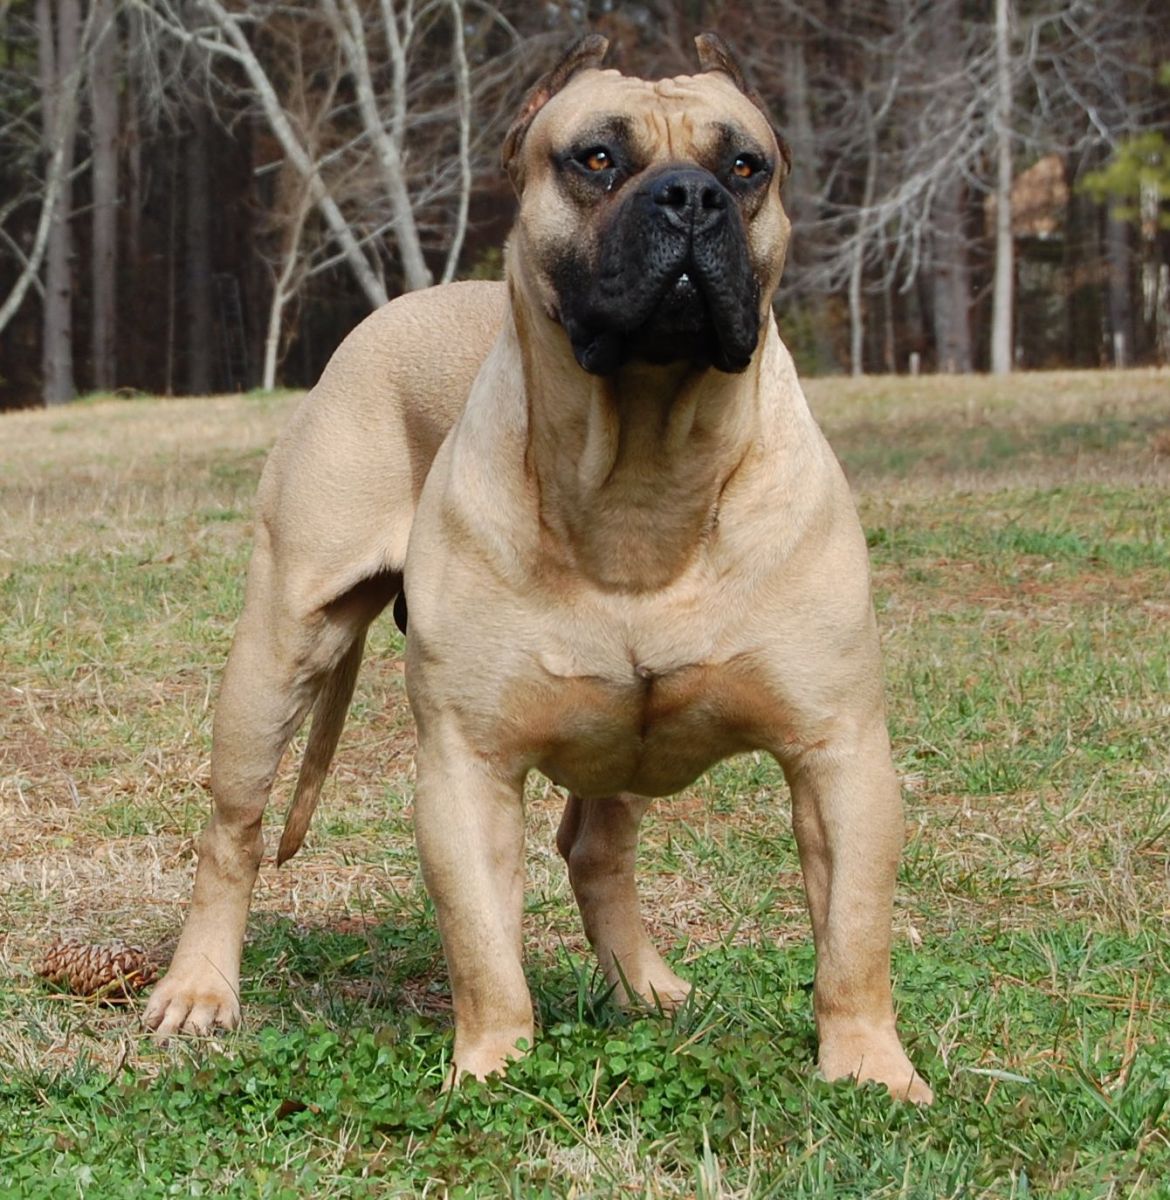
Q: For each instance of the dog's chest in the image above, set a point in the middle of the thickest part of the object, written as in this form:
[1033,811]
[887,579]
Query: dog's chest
[637,711]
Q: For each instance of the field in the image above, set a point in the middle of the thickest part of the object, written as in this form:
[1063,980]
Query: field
[1020,535]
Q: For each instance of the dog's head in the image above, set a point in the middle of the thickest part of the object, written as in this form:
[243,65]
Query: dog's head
[650,221]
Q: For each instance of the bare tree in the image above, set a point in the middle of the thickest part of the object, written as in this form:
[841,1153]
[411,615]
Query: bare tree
[22,139]
[197,235]
[287,277]
[462,74]
[310,107]
[871,123]
[392,162]
[386,136]
[225,38]
[59,55]
[945,108]
[894,117]
[1093,70]
[1001,321]
[103,91]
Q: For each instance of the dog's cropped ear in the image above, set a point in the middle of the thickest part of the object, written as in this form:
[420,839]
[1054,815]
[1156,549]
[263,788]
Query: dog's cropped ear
[715,55]
[588,52]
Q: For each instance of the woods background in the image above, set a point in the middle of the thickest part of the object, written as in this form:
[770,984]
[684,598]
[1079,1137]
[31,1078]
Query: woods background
[206,195]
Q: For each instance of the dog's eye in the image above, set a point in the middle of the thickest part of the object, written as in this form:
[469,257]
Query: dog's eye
[596,159]
[745,166]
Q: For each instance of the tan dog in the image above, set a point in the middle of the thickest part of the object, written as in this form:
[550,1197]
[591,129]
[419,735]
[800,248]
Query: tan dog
[633,556]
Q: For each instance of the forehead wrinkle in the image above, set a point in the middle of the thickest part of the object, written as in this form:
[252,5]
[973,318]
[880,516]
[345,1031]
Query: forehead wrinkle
[687,124]
[666,128]
[653,132]
[672,116]
[673,134]
[690,93]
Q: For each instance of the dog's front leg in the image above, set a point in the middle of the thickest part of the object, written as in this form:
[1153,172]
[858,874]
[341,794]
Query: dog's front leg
[469,825]
[847,816]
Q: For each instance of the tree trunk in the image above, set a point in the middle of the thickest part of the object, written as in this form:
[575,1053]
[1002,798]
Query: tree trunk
[801,189]
[1082,254]
[889,333]
[857,267]
[952,281]
[951,299]
[58,43]
[272,338]
[197,268]
[1120,302]
[1002,296]
[104,108]
[54,177]
[856,312]
[284,286]
[133,339]
[460,70]
[1155,270]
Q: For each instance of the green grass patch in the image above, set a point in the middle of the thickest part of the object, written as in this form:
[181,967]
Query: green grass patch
[354,1105]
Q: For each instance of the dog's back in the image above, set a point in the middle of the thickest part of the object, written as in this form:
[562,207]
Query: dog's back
[368,431]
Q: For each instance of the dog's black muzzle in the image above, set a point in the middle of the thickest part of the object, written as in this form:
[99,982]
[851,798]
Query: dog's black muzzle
[673,282]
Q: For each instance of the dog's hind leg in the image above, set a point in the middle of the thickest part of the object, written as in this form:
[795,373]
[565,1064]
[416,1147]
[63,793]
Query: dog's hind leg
[352,613]
[283,658]
[598,839]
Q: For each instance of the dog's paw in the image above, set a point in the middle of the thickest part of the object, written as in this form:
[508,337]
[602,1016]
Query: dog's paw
[877,1059]
[486,1055]
[644,979]
[918,1091]
[193,1006]
[658,990]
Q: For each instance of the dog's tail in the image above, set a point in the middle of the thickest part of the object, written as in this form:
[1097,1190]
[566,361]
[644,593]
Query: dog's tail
[329,712]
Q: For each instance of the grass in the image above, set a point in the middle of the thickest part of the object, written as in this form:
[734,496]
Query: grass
[1021,557]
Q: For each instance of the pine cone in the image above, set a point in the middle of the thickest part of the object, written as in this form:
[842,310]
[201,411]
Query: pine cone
[109,973]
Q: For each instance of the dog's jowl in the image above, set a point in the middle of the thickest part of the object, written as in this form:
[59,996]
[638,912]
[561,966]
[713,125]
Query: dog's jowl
[627,553]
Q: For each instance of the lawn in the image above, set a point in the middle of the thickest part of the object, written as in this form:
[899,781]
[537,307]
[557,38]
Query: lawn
[1020,538]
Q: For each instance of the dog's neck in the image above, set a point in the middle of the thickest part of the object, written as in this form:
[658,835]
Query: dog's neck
[630,469]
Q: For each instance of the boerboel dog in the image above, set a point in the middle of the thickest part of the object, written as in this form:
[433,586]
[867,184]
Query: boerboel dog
[622,551]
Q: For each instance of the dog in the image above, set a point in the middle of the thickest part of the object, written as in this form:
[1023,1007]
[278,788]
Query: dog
[621,550]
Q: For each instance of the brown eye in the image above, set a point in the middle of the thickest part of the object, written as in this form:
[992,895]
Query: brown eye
[744,167]
[597,159]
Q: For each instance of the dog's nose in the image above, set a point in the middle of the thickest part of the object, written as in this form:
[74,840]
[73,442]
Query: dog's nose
[690,198]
